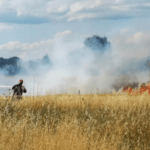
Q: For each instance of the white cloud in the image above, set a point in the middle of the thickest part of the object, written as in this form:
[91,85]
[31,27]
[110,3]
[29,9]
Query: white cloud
[57,6]
[132,46]
[4,27]
[28,7]
[63,34]
[16,45]
[62,43]
[62,8]
[82,16]
[121,8]
[1,2]
[78,6]
[118,1]
[71,10]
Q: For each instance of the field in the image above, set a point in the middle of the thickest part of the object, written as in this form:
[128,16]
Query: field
[77,122]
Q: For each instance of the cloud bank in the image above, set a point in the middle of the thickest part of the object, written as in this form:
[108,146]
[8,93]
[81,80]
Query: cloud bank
[44,11]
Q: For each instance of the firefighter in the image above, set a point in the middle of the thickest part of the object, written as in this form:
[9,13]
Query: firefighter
[18,90]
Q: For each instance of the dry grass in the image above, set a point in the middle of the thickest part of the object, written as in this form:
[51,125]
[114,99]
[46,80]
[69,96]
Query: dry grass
[80,122]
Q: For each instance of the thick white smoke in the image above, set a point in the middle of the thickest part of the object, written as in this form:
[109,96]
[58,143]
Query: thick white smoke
[76,67]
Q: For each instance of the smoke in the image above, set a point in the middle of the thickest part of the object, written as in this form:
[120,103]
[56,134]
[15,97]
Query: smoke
[15,66]
[89,65]
[125,80]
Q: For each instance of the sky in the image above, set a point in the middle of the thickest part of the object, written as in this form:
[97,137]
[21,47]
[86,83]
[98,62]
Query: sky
[31,29]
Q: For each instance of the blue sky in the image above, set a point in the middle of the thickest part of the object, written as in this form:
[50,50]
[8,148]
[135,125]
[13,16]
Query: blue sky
[30,21]
[34,21]
[31,29]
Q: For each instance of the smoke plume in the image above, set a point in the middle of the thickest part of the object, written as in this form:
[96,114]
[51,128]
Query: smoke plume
[90,65]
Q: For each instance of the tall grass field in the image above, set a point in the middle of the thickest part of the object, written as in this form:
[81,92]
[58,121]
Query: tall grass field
[76,122]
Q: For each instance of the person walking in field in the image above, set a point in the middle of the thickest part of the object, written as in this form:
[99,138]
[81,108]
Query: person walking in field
[18,90]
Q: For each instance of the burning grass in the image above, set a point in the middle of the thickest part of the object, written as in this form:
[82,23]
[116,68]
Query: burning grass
[87,122]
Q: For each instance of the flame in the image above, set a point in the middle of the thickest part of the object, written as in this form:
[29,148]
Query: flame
[141,90]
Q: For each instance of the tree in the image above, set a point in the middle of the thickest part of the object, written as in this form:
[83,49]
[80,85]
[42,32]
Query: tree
[97,43]
[45,60]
